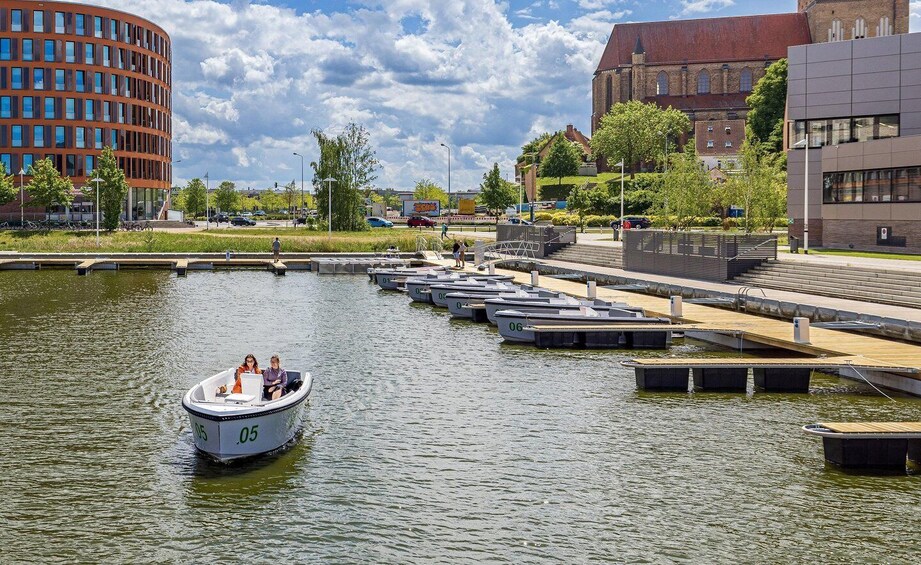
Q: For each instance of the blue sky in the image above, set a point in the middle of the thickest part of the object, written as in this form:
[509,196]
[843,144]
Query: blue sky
[251,78]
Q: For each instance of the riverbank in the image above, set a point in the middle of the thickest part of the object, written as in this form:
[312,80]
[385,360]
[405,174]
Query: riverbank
[211,241]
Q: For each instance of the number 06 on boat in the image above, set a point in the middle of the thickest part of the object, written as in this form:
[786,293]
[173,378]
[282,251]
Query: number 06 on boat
[234,426]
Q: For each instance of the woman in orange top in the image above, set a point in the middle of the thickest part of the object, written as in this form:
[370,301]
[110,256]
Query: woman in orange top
[250,365]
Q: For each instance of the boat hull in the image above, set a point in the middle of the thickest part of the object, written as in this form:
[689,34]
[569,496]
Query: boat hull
[226,441]
[550,305]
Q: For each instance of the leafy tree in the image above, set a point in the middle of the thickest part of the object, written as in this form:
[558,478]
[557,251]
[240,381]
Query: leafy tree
[7,189]
[759,187]
[177,201]
[248,204]
[226,197]
[113,190]
[562,160]
[47,187]
[350,159]
[428,190]
[291,196]
[271,201]
[686,191]
[768,103]
[390,198]
[631,131]
[496,193]
[194,195]
[534,146]
[580,202]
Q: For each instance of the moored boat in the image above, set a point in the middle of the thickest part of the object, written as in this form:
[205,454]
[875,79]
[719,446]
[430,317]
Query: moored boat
[553,305]
[471,304]
[233,426]
[390,279]
[440,291]
[513,324]
[419,288]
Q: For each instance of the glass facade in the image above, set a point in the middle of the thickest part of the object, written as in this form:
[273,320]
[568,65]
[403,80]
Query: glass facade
[837,131]
[874,185]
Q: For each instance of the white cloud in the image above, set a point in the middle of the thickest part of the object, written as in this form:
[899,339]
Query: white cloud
[703,6]
[914,22]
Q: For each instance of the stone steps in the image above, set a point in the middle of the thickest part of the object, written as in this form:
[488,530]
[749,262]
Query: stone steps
[590,255]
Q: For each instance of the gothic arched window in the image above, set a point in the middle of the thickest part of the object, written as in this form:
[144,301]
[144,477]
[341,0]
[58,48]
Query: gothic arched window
[860,28]
[703,82]
[745,80]
[836,32]
[662,84]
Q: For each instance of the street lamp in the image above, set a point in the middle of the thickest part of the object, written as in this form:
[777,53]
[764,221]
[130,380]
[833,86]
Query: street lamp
[805,143]
[621,199]
[449,181]
[22,199]
[97,180]
[303,211]
[207,189]
[329,183]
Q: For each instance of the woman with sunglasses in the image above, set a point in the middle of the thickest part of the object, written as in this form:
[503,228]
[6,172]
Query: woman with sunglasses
[274,380]
[250,365]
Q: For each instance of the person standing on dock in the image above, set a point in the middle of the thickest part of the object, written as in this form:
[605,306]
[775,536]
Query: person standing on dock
[463,253]
[455,250]
[276,249]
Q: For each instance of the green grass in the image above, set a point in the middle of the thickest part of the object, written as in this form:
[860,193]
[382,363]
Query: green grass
[602,177]
[865,254]
[215,241]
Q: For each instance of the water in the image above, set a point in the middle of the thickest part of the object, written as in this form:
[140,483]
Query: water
[427,439]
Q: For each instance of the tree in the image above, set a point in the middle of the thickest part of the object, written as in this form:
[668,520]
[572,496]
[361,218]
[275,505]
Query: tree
[47,187]
[633,130]
[113,190]
[226,197]
[759,187]
[350,159]
[271,201]
[686,191]
[495,193]
[580,202]
[562,160]
[194,195]
[533,146]
[428,190]
[768,103]
[7,189]
[291,196]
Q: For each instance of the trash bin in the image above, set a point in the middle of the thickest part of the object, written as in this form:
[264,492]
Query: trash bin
[794,244]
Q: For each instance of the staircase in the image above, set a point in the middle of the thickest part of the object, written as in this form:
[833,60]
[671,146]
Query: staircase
[597,255]
[883,286]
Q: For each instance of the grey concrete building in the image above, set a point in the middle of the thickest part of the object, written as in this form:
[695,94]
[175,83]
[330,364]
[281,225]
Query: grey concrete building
[860,102]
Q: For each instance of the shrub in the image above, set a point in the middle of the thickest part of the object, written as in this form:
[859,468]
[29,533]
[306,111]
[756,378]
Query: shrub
[563,219]
[543,216]
[728,224]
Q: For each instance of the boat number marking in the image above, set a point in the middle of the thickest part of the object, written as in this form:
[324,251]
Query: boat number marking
[200,431]
[249,434]
[441,296]
[515,327]
[458,305]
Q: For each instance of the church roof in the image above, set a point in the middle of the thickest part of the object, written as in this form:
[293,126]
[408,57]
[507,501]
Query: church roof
[741,38]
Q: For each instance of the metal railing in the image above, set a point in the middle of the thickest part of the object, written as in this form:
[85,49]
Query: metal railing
[509,250]
[707,256]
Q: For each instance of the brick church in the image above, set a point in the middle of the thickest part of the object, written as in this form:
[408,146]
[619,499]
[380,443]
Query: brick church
[707,67]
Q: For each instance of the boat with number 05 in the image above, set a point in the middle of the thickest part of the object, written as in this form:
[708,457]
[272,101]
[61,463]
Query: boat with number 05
[234,426]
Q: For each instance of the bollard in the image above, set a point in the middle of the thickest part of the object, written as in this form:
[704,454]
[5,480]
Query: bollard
[227,255]
[535,278]
[591,290]
[676,304]
[801,330]
[492,268]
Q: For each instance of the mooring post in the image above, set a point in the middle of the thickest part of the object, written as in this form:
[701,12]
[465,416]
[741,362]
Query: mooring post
[492,269]
[535,278]
[676,306]
[591,290]
[801,330]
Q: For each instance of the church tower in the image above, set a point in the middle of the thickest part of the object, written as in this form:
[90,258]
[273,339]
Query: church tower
[840,20]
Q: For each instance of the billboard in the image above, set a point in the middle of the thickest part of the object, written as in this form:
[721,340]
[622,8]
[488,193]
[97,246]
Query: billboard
[421,208]
[466,207]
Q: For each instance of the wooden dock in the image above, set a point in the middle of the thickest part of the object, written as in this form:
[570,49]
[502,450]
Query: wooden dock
[870,445]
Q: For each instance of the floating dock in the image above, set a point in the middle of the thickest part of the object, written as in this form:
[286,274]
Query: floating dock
[870,445]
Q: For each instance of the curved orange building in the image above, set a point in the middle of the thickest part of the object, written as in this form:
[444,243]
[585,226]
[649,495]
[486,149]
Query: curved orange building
[76,78]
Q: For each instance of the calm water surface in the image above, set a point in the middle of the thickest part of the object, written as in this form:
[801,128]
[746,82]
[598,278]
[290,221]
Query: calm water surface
[427,440]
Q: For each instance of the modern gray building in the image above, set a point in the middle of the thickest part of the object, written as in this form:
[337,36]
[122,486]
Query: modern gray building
[860,102]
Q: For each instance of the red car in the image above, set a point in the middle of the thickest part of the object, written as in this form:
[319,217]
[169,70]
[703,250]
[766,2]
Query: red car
[420,222]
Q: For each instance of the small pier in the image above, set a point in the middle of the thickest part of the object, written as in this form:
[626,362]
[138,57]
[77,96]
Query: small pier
[354,265]
[606,336]
[870,445]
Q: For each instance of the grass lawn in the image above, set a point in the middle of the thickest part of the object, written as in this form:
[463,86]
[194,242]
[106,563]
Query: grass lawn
[601,178]
[865,254]
[213,241]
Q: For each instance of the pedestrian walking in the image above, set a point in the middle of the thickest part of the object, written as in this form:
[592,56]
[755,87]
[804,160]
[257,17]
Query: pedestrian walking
[276,249]
[444,230]
[455,250]
[463,253]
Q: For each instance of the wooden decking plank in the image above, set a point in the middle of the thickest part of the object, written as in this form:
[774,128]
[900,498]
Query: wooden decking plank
[873,427]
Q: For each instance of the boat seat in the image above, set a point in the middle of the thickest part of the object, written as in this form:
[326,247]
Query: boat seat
[294,382]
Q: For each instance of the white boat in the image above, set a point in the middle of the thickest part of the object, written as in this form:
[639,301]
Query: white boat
[234,426]
[440,291]
[553,305]
[419,288]
[471,304]
[390,279]
[513,324]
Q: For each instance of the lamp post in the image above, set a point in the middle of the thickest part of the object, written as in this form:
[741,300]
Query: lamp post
[449,181]
[532,164]
[207,188]
[303,211]
[621,228]
[805,143]
[22,199]
[97,180]
[329,220]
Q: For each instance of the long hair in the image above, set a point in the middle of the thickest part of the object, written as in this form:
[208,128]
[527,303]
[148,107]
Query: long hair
[255,361]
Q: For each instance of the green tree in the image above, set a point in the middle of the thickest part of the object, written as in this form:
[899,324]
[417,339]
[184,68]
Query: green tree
[686,191]
[633,130]
[226,197]
[291,196]
[271,201]
[47,187]
[113,190]
[194,195]
[562,160]
[768,104]
[428,190]
[533,146]
[759,187]
[7,189]
[495,193]
[580,202]
[350,159]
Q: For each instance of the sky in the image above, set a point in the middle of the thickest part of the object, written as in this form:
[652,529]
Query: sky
[252,78]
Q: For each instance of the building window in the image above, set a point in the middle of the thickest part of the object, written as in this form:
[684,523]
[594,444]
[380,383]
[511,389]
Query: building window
[845,130]
[107,111]
[115,139]
[7,160]
[709,144]
[860,29]
[38,136]
[59,137]
[27,160]
[98,138]
[6,107]
[81,24]
[97,26]
[88,113]
[70,54]
[49,50]
[745,80]
[106,56]
[703,82]
[17,136]
[662,84]
[113,30]
[728,130]
[71,165]
[49,109]
[26,49]
[80,138]
[38,21]
[728,144]
[16,77]
[836,32]
[113,79]
[27,107]
[6,52]
[16,20]
[80,81]
[97,82]
[59,79]
[70,109]
[89,53]
[884,29]
[38,79]
[59,22]
[709,129]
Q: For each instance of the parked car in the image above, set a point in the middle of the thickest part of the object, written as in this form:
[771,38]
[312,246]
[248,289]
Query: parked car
[241,221]
[218,218]
[247,214]
[259,213]
[636,222]
[420,222]
[520,222]
[377,222]
[300,220]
